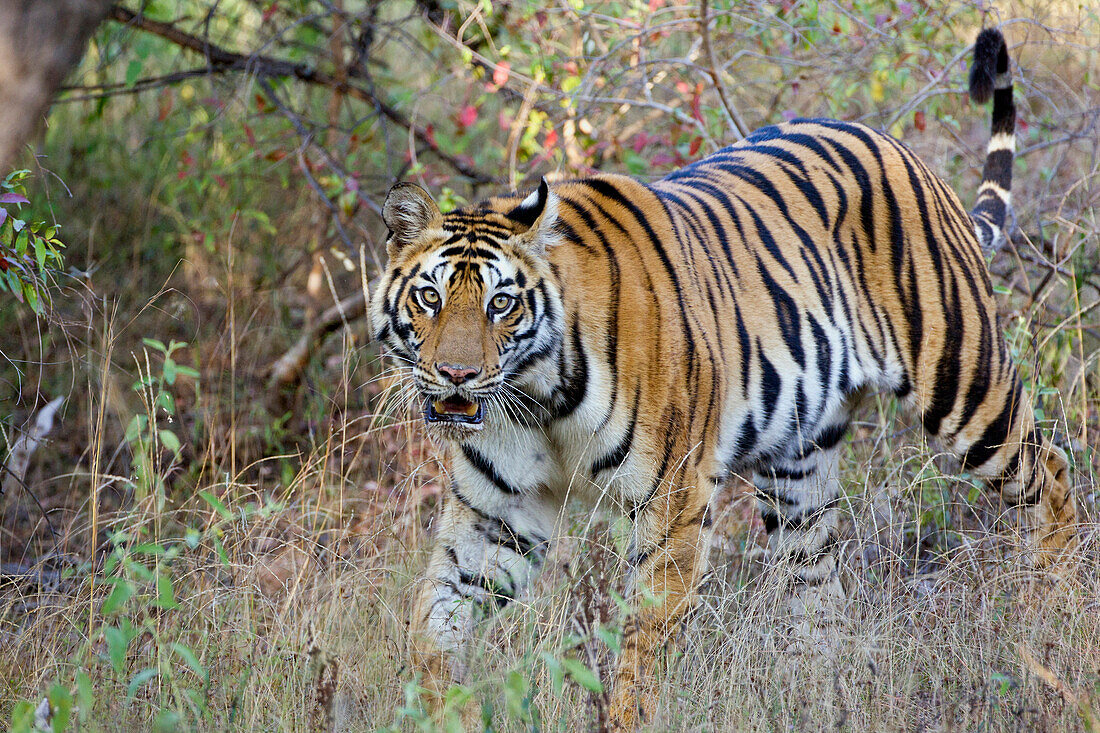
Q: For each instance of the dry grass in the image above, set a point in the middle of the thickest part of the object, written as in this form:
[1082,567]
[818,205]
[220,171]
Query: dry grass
[289,592]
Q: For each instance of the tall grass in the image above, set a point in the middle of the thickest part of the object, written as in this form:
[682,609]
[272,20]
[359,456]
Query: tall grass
[257,576]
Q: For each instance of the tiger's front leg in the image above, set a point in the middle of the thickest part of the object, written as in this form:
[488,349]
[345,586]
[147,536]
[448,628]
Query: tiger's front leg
[479,563]
[669,558]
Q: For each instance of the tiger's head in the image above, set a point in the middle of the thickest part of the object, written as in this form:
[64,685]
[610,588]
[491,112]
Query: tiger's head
[468,305]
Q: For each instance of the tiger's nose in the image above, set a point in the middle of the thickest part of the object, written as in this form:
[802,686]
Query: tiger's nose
[457,374]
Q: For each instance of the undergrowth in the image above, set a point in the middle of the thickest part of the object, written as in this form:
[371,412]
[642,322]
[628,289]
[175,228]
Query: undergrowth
[194,548]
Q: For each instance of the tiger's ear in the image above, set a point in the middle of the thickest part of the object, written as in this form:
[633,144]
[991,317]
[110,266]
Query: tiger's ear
[409,211]
[538,213]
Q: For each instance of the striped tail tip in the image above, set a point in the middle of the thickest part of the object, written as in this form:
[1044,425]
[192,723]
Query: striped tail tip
[991,77]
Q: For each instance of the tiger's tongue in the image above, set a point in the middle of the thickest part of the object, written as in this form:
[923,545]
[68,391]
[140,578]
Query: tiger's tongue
[455,406]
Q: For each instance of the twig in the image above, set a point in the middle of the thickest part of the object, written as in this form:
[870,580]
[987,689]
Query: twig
[737,123]
[220,59]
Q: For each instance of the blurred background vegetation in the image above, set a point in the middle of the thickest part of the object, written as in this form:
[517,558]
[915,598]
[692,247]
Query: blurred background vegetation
[211,176]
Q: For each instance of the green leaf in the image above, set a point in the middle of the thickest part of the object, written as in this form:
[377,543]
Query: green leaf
[611,638]
[166,593]
[184,371]
[133,72]
[169,370]
[516,689]
[192,661]
[22,717]
[136,428]
[635,163]
[117,641]
[222,554]
[582,675]
[40,253]
[169,440]
[149,548]
[140,679]
[216,503]
[122,592]
[557,674]
[84,697]
[168,721]
[154,344]
[61,703]
[164,400]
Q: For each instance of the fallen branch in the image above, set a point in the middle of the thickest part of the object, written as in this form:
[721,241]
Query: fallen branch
[288,369]
[221,59]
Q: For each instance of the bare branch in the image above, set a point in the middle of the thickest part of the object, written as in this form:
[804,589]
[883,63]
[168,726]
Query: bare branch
[220,59]
[736,121]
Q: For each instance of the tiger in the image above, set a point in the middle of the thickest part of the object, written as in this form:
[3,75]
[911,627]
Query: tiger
[634,346]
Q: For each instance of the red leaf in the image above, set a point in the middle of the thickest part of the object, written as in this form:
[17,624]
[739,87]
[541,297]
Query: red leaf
[501,73]
[13,198]
[165,105]
[1022,124]
[249,134]
[918,120]
[270,11]
[3,262]
[467,116]
[696,112]
[655,4]
[429,133]
[696,143]
[551,140]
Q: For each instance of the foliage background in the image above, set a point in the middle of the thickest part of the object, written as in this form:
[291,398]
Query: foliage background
[196,545]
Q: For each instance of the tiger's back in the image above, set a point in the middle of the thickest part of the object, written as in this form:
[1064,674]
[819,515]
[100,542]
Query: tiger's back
[783,275]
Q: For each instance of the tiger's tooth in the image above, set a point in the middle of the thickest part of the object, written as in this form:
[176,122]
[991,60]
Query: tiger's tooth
[470,409]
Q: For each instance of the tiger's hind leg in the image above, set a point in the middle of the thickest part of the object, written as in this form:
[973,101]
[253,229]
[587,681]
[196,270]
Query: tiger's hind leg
[1001,444]
[798,498]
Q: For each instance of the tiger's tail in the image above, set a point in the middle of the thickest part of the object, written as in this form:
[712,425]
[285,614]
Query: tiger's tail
[990,76]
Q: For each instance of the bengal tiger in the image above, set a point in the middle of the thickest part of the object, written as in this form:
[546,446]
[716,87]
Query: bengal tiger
[635,345]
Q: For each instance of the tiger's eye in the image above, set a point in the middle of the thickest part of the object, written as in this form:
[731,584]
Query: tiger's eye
[429,296]
[501,303]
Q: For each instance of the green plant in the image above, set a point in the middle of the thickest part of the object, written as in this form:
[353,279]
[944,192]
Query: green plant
[30,251]
[149,438]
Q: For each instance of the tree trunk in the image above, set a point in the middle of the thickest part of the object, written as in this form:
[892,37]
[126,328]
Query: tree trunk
[40,42]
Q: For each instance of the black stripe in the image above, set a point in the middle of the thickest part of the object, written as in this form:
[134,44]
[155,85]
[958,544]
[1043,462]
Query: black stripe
[615,458]
[487,469]
[569,394]
[825,440]
[498,532]
[996,433]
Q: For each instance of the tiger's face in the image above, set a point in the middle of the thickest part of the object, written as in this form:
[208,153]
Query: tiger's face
[467,304]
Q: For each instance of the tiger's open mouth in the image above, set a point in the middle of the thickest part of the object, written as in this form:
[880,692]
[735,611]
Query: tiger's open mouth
[454,409]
